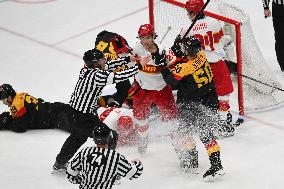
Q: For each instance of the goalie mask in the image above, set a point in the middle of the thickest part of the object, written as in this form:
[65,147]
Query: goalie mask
[6,90]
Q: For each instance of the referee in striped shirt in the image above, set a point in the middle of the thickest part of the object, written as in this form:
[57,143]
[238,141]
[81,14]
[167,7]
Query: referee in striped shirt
[278,24]
[98,167]
[83,104]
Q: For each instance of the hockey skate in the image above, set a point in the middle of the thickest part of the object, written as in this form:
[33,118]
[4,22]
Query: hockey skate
[213,173]
[59,168]
[216,169]
[226,129]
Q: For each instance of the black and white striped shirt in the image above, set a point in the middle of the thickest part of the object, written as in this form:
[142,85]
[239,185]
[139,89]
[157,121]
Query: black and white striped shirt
[98,168]
[266,3]
[92,81]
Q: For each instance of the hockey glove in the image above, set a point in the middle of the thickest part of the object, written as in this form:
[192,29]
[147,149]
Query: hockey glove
[120,46]
[114,104]
[176,48]
[5,118]
[160,59]
[232,66]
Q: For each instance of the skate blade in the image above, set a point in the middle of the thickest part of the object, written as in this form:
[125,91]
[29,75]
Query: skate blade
[58,172]
[212,178]
[222,135]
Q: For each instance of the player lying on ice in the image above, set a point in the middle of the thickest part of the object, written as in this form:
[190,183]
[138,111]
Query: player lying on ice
[122,121]
[28,112]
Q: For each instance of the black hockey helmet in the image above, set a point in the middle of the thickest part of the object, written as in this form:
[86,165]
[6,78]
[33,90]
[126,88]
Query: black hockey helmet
[6,90]
[101,134]
[92,57]
[191,45]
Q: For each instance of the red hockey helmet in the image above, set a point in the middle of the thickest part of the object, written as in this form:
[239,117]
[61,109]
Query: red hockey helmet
[194,5]
[124,123]
[146,29]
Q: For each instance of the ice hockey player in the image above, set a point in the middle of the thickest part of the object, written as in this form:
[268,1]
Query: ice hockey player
[210,33]
[94,76]
[28,112]
[99,166]
[122,121]
[197,103]
[115,46]
[150,86]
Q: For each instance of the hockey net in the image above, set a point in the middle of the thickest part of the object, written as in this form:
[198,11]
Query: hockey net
[257,88]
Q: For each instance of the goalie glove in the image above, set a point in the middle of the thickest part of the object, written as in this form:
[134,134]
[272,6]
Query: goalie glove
[160,59]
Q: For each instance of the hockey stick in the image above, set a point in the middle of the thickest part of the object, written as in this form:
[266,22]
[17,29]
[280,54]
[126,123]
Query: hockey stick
[166,33]
[195,20]
[247,77]
[188,30]
[239,121]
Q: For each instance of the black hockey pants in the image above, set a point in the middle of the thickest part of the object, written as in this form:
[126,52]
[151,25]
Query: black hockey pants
[278,24]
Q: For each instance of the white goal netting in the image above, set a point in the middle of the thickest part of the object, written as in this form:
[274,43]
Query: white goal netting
[259,83]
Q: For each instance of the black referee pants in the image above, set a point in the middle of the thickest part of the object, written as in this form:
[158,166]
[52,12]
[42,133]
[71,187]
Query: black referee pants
[83,125]
[278,24]
[82,128]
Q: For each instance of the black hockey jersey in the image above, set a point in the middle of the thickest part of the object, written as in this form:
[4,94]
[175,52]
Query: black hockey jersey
[193,79]
[28,112]
[111,44]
